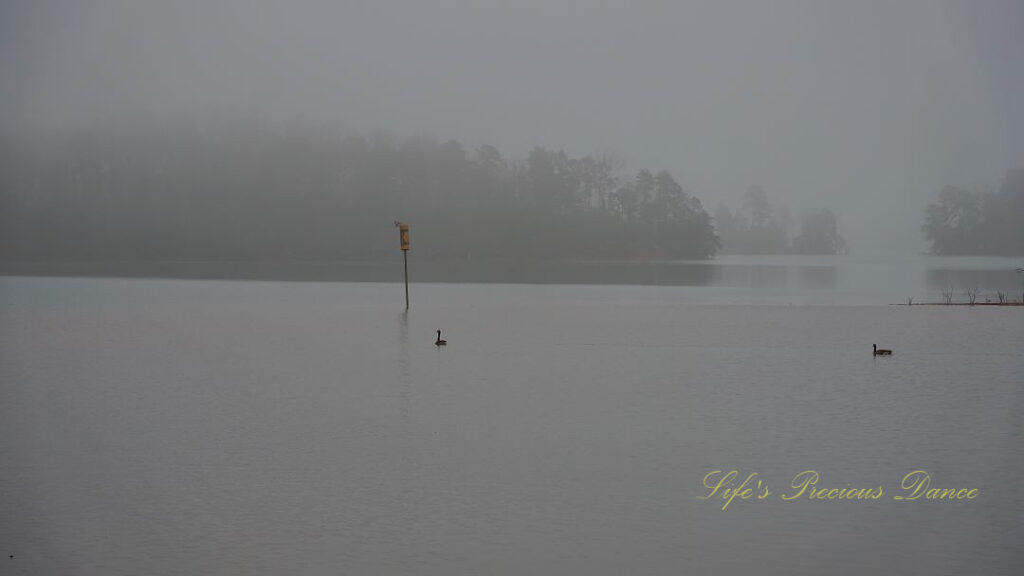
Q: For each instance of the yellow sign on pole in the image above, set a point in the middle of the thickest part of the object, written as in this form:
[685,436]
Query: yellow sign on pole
[403,241]
[403,236]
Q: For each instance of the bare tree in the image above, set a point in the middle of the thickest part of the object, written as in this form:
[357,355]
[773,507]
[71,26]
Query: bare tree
[947,295]
[972,294]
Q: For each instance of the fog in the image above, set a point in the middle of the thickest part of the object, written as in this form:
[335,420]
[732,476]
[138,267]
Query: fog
[865,108]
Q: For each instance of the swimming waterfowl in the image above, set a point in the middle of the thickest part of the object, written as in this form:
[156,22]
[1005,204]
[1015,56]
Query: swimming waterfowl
[880,351]
[439,341]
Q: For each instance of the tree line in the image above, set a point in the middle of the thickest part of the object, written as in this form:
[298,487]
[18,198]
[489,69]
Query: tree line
[961,222]
[759,228]
[247,191]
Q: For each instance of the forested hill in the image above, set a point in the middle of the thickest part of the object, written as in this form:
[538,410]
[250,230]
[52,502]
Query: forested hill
[250,192]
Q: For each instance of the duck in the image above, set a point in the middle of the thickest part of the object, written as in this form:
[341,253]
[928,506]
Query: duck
[880,351]
[440,342]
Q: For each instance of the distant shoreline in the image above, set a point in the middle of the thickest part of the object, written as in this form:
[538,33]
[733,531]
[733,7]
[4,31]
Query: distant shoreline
[757,275]
[1016,303]
[641,272]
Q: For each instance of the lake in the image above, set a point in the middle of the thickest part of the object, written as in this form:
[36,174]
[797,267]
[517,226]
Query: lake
[210,426]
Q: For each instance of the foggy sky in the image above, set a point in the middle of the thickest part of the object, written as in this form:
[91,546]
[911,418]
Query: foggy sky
[865,107]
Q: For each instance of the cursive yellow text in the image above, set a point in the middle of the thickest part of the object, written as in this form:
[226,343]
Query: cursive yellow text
[806,482]
[726,489]
[918,485]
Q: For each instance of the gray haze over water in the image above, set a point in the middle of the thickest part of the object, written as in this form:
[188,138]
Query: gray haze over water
[187,427]
[867,108]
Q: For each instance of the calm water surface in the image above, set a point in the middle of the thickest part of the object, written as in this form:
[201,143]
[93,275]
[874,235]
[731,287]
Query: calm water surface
[732,279]
[216,427]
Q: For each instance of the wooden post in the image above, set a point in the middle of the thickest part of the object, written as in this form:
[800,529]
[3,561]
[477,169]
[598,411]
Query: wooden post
[405,257]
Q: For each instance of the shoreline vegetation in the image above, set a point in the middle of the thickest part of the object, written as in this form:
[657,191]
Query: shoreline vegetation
[962,222]
[245,191]
[761,228]
[1011,303]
